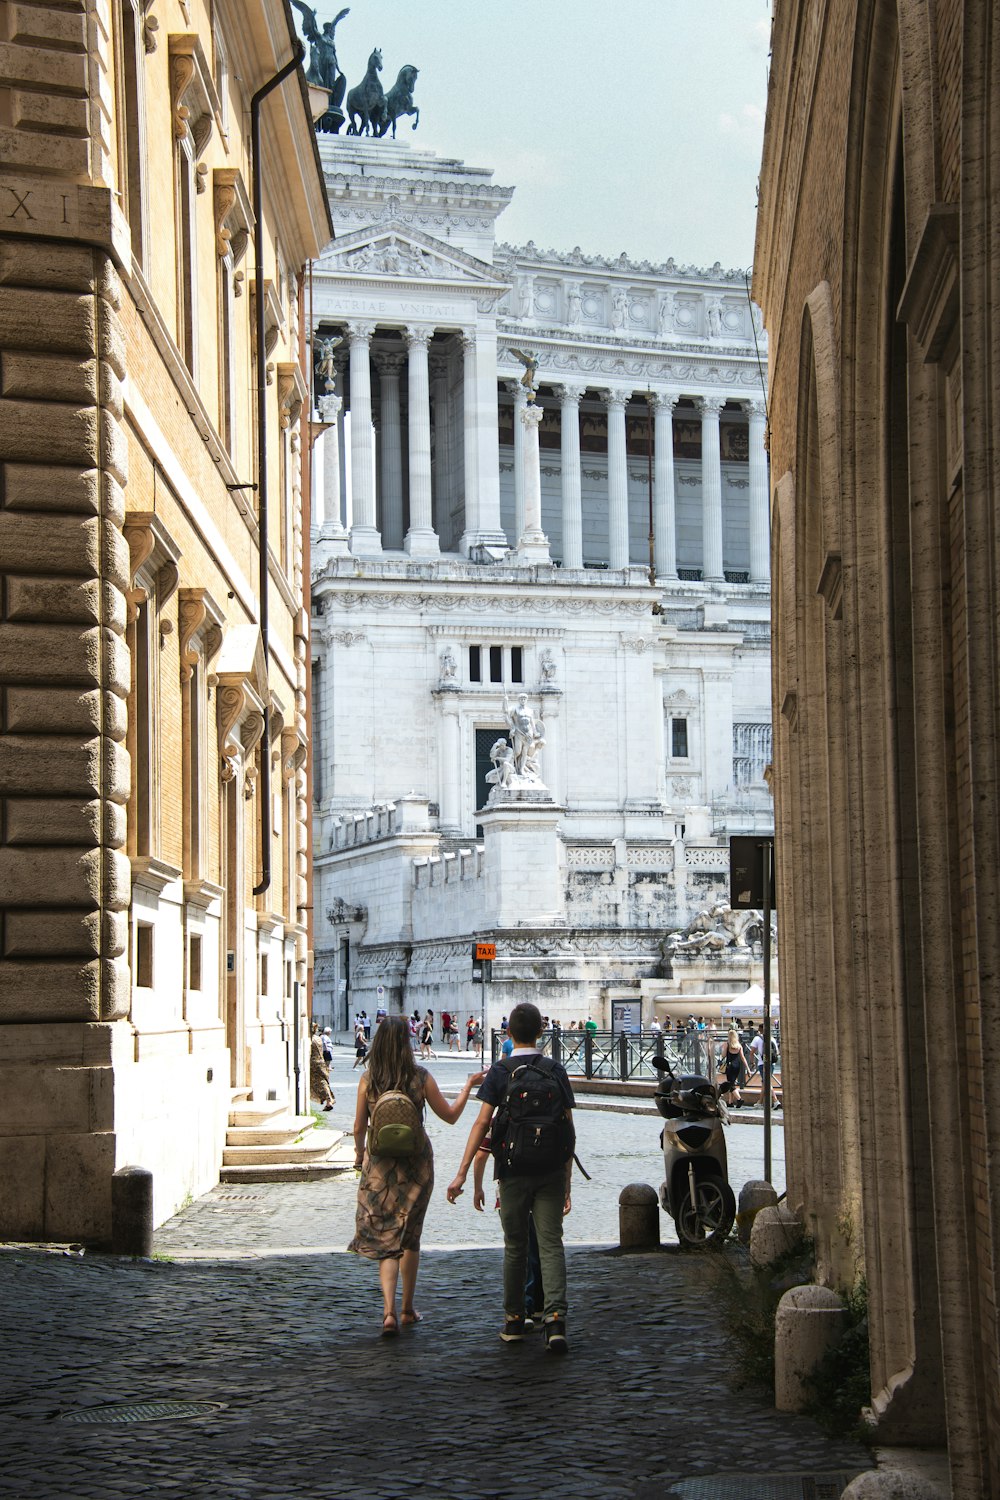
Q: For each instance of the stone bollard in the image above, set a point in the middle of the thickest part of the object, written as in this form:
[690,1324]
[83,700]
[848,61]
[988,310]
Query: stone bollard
[893,1484]
[638,1217]
[809,1321]
[754,1196]
[132,1212]
[775,1231]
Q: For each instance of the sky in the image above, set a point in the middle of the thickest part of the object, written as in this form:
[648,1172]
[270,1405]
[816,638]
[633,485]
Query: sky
[634,126]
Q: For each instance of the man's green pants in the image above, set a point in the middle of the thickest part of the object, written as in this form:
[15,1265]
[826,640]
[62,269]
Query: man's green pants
[543,1198]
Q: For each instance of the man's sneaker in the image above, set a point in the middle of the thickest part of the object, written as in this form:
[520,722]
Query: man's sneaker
[555,1336]
[512,1330]
[529,1321]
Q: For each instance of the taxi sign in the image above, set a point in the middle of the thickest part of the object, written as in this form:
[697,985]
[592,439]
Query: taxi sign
[483,951]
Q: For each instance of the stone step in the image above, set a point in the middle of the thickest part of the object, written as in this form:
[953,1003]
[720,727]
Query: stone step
[317,1171]
[278,1132]
[258,1156]
[247,1114]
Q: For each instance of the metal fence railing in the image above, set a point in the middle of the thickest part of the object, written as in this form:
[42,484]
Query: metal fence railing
[616,1055]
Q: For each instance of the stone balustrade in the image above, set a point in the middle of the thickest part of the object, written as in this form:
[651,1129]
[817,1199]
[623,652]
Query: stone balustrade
[449,868]
[350,830]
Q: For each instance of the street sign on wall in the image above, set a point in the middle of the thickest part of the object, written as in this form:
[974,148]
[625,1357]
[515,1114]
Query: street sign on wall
[483,955]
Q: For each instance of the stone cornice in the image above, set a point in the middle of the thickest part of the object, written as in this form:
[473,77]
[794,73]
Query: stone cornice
[529,255]
[438,192]
[602,359]
[459,632]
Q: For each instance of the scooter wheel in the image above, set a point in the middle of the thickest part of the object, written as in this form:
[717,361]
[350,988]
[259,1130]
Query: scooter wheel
[709,1219]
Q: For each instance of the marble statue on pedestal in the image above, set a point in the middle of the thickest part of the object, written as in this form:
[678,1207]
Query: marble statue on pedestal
[326,365]
[502,757]
[530,377]
[526,737]
[515,760]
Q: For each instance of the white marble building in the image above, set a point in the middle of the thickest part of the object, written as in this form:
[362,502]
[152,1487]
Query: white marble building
[442,581]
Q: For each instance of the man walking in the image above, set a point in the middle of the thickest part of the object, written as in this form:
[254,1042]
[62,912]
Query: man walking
[532,1139]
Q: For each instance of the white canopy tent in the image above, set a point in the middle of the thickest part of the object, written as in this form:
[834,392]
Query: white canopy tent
[750,1005]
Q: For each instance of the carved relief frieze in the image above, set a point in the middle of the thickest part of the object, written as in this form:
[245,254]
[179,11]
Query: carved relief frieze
[485,604]
[340,912]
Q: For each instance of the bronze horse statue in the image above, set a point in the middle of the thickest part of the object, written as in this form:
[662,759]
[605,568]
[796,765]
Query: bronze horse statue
[367,100]
[399,100]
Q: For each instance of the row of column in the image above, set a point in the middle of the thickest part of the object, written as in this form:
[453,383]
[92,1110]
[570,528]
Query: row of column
[480,447]
[481,465]
[709,409]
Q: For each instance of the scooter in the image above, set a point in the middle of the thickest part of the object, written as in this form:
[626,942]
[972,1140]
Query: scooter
[695,1191]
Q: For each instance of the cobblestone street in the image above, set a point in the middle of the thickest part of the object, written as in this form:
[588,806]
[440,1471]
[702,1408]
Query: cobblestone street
[254,1310]
[315,1404]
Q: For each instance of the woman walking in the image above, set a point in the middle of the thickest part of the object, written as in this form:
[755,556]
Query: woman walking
[319,1071]
[395,1190]
[736,1066]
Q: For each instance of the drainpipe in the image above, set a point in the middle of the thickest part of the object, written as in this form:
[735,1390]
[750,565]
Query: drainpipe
[262,514]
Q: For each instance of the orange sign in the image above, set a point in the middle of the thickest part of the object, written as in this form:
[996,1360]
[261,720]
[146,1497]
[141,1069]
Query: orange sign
[484,951]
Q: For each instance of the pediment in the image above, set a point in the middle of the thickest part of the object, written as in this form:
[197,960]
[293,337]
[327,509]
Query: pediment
[396,252]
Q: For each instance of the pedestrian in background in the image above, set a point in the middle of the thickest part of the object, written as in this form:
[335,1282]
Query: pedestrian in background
[319,1075]
[394,1191]
[737,1068]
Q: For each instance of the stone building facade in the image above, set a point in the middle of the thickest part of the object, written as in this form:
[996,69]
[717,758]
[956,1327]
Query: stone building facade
[141,979]
[876,267]
[451,574]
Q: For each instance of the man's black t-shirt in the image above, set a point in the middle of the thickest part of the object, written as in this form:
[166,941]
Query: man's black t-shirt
[493,1088]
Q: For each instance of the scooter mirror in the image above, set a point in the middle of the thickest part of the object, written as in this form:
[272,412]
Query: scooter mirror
[661,1065]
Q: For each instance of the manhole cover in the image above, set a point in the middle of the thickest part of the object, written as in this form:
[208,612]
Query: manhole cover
[145,1411]
[762,1487]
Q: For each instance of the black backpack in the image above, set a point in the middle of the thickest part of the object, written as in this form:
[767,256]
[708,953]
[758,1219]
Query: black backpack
[532,1131]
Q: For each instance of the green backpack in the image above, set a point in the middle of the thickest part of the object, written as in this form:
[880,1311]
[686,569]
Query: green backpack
[395,1127]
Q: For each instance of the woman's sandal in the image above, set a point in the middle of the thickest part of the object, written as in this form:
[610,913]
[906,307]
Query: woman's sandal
[409,1318]
[389,1325]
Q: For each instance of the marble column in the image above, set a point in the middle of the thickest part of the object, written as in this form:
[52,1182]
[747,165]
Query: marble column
[332,538]
[470,453]
[389,367]
[520,396]
[441,485]
[421,539]
[491,533]
[760,499]
[451,768]
[664,523]
[341,358]
[659,738]
[365,539]
[572,496]
[618,541]
[711,489]
[532,544]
